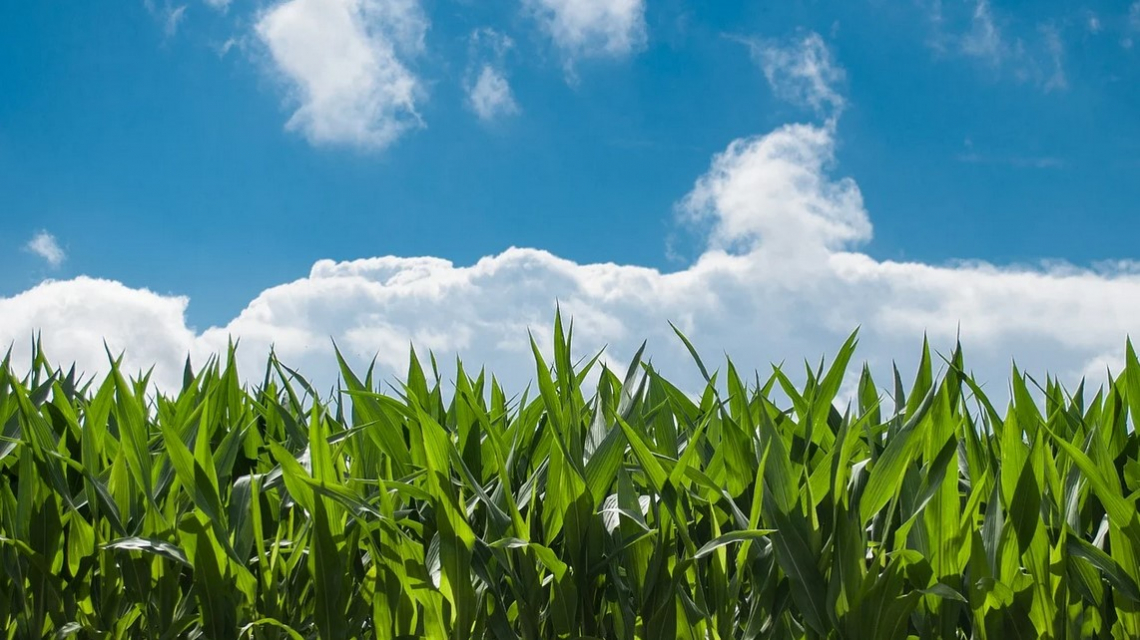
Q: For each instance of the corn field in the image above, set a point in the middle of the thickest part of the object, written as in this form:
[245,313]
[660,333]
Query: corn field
[448,509]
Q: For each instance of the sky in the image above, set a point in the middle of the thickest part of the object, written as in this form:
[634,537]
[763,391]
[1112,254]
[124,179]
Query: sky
[766,176]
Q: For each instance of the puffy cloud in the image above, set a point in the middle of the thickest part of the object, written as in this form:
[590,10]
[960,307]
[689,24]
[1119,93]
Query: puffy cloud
[75,317]
[592,28]
[345,64]
[44,245]
[772,192]
[802,72]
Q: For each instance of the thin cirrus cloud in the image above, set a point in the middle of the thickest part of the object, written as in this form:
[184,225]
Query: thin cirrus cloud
[781,277]
[1018,162]
[170,15]
[44,245]
[345,63]
[1132,26]
[984,39]
[802,71]
[974,30]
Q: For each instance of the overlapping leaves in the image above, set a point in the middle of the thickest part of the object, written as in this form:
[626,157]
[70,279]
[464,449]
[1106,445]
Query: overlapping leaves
[632,510]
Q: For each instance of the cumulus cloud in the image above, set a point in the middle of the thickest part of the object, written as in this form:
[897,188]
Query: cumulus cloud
[44,245]
[345,63]
[802,71]
[781,278]
[592,28]
[771,192]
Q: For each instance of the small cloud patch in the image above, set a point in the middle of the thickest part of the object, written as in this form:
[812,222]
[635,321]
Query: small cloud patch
[44,245]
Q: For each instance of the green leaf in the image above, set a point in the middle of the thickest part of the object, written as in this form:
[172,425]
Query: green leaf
[887,472]
[154,547]
[729,538]
[1113,573]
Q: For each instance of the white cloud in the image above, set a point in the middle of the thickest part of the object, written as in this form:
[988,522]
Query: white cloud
[174,18]
[345,62]
[220,5]
[802,71]
[76,316]
[44,245]
[489,92]
[491,95]
[224,48]
[780,279]
[592,28]
[973,29]
[772,192]
[793,289]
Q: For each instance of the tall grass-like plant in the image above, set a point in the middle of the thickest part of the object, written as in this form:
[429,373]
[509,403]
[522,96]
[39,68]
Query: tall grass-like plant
[632,510]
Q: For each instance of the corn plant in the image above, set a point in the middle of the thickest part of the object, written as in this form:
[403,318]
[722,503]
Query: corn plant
[756,509]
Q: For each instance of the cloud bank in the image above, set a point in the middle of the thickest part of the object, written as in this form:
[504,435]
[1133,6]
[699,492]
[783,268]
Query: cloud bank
[781,278]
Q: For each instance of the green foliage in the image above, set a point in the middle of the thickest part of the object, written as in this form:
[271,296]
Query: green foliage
[634,511]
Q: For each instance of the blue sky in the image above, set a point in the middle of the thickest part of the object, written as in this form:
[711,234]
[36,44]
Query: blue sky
[199,150]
